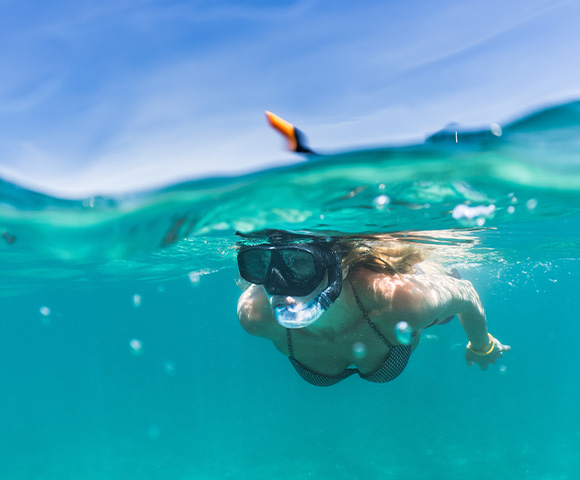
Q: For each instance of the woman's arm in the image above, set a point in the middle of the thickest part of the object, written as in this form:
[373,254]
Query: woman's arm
[423,299]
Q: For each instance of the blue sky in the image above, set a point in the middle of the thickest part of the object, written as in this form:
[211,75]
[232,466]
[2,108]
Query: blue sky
[111,96]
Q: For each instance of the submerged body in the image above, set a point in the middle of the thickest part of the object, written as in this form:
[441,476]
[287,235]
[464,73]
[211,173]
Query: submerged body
[358,333]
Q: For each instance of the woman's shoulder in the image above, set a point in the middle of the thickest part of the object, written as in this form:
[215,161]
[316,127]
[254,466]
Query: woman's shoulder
[254,313]
[382,291]
[374,289]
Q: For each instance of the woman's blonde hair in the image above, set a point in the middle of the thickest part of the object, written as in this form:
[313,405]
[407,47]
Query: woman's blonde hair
[387,256]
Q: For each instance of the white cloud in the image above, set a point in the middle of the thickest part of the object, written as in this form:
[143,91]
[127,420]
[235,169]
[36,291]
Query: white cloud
[146,95]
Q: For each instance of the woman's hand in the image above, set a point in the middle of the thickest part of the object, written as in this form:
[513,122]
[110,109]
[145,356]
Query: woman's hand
[489,354]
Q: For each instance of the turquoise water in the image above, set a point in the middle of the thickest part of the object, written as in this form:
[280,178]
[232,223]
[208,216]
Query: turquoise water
[121,356]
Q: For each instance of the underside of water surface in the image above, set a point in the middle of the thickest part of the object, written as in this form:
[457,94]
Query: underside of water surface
[122,357]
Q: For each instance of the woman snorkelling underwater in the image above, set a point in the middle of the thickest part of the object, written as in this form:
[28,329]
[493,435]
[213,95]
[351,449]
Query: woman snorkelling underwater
[339,306]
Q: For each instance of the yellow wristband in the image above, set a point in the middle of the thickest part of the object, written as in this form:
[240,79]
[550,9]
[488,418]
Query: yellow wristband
[483,354]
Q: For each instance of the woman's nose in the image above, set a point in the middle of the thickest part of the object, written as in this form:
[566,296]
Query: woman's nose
[276,284]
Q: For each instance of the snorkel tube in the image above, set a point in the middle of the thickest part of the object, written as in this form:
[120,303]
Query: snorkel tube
[301,315]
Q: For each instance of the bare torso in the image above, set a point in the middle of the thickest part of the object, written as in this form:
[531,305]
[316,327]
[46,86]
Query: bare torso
[342,338]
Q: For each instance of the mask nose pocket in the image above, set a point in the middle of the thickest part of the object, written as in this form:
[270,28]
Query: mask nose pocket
[276,285]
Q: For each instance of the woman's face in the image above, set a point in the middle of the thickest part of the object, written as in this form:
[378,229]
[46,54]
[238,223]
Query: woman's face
[300,281]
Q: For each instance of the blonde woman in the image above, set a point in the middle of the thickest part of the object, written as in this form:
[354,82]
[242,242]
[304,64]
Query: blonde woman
[340,307]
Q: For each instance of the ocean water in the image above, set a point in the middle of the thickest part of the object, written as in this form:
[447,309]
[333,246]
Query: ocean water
[121,356]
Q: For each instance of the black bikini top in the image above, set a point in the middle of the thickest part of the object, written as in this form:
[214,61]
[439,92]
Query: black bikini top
[391,368]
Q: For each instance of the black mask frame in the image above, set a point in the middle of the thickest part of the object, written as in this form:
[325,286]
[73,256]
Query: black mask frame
[289,269]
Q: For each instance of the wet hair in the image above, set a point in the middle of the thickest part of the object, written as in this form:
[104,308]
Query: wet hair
[275,236]
[380,255]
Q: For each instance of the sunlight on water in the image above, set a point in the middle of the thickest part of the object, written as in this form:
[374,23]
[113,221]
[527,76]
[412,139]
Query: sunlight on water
[124,358]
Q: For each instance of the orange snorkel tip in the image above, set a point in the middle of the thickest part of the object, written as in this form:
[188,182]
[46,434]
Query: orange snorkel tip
[294,136]
[285,128]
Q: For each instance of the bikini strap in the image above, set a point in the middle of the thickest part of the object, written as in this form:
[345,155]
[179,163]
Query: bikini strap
[290,348]
[367,319]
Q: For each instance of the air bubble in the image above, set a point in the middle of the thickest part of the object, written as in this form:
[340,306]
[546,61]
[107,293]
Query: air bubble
[473,215]
[511,209]
[169,367]
[136,300]
[359,350]
[403,332]
[531,204]
[194,278]
[381,201]
[136,346]
[496,129]
[45,315]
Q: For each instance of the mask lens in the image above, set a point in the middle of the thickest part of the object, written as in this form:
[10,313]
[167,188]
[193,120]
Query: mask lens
[300,263]
[254,265]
